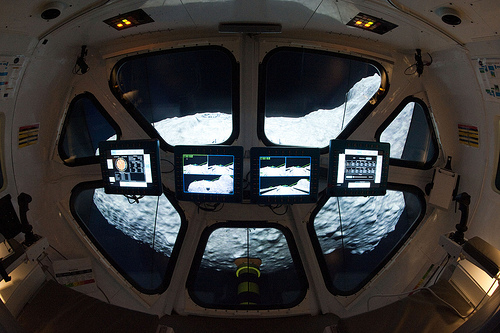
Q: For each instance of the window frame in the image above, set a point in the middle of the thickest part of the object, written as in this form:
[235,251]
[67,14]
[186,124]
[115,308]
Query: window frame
[356,121]
[319,251]
[496,165]
[3,175]
[404,163]
[175,250]
[146,125]
[79,161]
[294,253]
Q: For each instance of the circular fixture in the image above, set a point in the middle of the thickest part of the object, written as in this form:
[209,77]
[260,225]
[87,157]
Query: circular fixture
[449,15]
[52,10]
[451,19]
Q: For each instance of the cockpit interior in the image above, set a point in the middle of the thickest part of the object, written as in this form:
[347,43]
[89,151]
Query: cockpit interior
[327,166]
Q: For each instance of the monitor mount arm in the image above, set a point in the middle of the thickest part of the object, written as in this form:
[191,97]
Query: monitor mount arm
[463,200]
[23,200]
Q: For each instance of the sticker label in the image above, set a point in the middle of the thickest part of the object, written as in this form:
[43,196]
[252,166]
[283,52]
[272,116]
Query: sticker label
[468,135]
[10,74]
[28,135]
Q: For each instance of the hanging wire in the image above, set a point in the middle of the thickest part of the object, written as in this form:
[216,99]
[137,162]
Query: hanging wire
[341,230]
[248,246]
[169,162]
[346,98]
[273,209]
[439,270]
[248,256]
[345,109]
[246,181]
[47,270]
[153,253]
[418,66]
[133,199]
[209,207]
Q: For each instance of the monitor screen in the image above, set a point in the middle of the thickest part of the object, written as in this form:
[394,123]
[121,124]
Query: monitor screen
[358,168]
[209,173]
[284,175]
[131,167]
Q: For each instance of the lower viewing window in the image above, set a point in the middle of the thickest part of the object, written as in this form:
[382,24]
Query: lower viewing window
[247,265]
[354,237]
[138,239]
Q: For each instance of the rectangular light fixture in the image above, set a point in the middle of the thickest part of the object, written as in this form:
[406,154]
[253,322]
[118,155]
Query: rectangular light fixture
[250,28]
[130,19]
[371,23]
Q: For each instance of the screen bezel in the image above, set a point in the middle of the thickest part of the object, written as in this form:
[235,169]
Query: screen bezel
[236,151]
[338,147]
[257,152]
[149,146]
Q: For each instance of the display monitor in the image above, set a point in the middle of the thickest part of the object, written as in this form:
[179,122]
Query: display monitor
[131,167]
[284,175]
[209,173]
[358,168]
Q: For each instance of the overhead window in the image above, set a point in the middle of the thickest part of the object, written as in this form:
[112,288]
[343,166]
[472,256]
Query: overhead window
[411,134]
[86,124]
[307,98]
[243,265]
[354,237]
[140,239]
[187,96]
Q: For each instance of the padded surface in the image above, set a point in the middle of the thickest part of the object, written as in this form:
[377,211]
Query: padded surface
[57,308]
[484,253]
[421,312]
[295,324]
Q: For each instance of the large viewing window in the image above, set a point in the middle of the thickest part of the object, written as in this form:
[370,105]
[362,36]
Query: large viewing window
[307,98]
[86,124]
[140,239]
[411,134]
[354,237]
[186,96]
[247,265]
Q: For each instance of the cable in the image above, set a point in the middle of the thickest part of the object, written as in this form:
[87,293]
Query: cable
[102,291]
[441,268]
[209,207]
[132,199]
[46,268]
[276,207]
[418,290]
[346,98]
[172,164]
[448,304]
[153,253]
[156,219]
[62,255]
[341,230]
[418,66]
[245,180]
